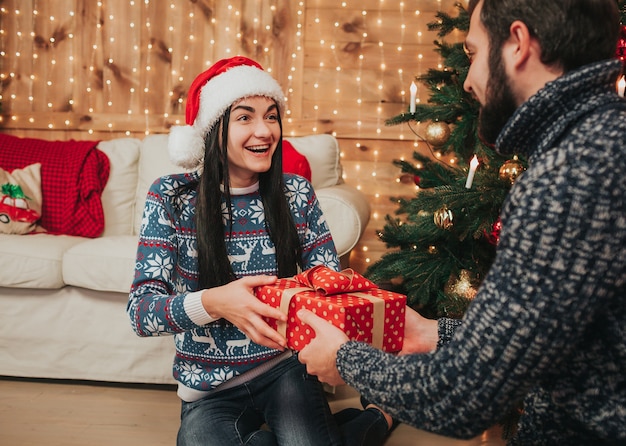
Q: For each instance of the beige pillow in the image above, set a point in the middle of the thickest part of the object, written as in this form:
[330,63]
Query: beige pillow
[322,153]
[20,200]
[118,197]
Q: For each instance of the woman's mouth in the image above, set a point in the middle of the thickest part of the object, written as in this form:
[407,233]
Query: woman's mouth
[258,149]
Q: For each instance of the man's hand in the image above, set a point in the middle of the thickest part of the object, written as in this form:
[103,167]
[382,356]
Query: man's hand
[320,355]
[237,303]
[420,334]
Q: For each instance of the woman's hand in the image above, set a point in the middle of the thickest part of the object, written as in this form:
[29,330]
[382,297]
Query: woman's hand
[237,303]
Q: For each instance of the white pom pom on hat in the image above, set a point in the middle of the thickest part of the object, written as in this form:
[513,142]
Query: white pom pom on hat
[210,94]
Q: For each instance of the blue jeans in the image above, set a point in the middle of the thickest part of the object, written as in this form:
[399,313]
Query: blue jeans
[292,405]
[288,400]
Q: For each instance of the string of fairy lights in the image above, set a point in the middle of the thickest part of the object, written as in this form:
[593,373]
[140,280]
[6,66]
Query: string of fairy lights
[123,76]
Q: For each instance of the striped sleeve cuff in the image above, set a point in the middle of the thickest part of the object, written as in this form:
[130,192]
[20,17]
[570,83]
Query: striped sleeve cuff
[195,310]
[446,329]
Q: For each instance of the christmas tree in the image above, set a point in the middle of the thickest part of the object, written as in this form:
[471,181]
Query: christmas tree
[443,240]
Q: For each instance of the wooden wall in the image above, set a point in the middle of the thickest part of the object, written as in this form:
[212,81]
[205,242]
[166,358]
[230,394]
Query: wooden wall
[109,68]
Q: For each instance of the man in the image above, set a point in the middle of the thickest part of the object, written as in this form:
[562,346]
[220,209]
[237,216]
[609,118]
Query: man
[548,324]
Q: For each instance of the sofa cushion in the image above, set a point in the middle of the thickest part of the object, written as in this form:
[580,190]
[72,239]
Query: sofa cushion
[154,162]
[118,197]
[33,260]
[104,264]
[322,152]
[20,199]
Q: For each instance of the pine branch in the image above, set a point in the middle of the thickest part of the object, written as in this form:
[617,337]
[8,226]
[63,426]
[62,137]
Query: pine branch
[446,23]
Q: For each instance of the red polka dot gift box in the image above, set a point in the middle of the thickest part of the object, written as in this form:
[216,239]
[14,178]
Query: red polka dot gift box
[346,299]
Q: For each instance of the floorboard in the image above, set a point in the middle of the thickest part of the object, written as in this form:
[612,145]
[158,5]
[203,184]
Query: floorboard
[66,413]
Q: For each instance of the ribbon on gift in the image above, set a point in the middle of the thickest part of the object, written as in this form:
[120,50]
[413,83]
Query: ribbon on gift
[328,282]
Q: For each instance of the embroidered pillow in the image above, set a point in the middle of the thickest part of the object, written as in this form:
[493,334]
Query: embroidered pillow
[20,200]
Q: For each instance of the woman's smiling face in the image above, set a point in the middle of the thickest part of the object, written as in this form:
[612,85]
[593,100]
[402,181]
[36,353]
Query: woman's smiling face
[253,134]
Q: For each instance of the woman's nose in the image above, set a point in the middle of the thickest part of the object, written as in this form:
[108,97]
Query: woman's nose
[262,128]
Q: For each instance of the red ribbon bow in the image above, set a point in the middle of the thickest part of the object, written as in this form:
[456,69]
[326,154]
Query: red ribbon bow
[328,282]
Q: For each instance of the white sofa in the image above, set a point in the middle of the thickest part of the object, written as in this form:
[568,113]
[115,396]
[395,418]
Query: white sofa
[63,298]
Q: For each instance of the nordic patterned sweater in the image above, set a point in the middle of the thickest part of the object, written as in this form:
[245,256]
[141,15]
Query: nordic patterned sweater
[548,324]
[164,298]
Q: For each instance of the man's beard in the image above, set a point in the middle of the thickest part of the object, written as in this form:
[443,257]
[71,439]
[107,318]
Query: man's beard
[499,103]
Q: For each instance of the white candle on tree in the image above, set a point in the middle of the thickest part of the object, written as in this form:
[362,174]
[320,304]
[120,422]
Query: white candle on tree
[413,91]
[472,171]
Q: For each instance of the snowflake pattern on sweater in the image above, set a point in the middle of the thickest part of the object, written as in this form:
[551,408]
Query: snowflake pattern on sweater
[548,324]
[166,271]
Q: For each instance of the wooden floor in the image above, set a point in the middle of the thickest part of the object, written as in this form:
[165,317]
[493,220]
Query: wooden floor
[59,413]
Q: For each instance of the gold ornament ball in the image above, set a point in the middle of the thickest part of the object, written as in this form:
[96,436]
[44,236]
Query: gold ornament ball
[443,218]
[437,133]
[510,170]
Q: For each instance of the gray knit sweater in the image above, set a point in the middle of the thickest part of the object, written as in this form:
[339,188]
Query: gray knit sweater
[548,324]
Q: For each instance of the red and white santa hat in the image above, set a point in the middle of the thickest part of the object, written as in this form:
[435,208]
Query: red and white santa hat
[210,94]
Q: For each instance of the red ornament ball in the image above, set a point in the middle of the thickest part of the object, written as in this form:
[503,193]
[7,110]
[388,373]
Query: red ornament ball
[493,236]
[620,52]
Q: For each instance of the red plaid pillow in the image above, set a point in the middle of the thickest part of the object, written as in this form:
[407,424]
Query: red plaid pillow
[73,176]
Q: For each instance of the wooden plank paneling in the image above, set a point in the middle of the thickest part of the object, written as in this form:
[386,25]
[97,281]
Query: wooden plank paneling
[429,6]
[99,70]
[372,28]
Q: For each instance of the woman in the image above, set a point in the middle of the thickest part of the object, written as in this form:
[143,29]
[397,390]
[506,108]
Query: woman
[208,238]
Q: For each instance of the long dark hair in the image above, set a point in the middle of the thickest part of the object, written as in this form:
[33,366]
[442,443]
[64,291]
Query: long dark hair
[572,33]
[214,268]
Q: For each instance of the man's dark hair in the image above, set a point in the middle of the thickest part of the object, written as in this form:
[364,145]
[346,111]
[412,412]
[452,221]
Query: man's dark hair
[572,33]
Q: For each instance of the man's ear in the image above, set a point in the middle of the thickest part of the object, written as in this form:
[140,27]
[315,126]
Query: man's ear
[520,46]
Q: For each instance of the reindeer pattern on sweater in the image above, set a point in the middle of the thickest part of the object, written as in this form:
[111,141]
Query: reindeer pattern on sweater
[166,272]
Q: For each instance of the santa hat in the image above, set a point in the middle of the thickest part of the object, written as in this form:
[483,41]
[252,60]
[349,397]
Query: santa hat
[210,94]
